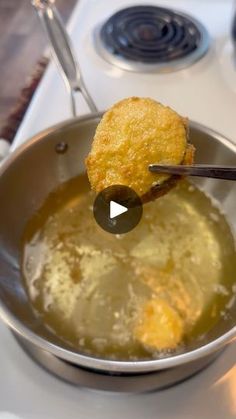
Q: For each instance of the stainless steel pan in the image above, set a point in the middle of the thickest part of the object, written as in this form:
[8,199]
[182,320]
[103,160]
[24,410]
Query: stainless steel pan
[26,178]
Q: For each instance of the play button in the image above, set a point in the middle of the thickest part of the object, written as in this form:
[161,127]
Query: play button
[117,209]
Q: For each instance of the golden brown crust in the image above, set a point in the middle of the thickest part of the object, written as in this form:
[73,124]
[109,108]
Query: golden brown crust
[189,154]
[134,133]
[160,190]
[159,327]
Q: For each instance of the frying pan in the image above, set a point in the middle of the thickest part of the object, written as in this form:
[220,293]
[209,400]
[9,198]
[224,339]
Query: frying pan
[27,176]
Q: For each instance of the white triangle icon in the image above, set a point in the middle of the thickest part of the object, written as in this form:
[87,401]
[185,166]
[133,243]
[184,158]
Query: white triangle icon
[116,209]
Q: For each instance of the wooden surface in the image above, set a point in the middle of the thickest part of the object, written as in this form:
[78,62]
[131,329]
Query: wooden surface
[22,43]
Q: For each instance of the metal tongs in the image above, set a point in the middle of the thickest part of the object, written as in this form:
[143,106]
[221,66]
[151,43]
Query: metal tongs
[202,170]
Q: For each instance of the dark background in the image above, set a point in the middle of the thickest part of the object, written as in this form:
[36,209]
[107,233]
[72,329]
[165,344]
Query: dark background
[22,43]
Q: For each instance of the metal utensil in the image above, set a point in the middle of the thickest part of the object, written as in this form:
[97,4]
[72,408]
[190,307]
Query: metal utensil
[201,170]
[63,53]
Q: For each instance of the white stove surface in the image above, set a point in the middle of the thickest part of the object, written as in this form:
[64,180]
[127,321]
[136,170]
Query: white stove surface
[29,392]
[206,92]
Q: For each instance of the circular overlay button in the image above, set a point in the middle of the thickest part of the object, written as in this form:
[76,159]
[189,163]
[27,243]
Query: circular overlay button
[117,209]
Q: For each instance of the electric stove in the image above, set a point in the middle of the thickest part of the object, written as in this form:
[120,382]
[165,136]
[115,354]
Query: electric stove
[197,77]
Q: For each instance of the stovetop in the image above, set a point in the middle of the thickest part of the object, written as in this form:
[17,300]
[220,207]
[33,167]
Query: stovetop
[206,92]
[31,393]
[151,38]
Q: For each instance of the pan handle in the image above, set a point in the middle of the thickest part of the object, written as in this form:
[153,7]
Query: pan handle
[62,52]
[4,149]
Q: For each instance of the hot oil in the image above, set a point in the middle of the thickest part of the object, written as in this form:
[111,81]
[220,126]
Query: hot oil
[90,287]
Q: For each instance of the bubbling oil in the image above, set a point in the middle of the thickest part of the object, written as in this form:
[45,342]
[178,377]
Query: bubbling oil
[90,287]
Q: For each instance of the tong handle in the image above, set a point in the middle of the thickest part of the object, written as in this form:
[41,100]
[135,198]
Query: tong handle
[201,170]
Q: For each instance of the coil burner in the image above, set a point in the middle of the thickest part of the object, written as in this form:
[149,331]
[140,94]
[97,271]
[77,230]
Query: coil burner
[149,38]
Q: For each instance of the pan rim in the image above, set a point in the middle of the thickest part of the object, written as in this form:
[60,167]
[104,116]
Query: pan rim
[99,364]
